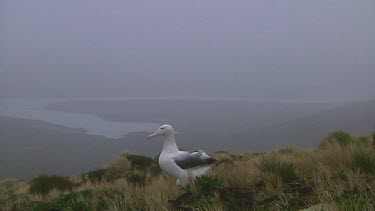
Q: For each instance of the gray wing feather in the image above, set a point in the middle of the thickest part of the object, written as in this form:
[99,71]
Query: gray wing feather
[194,159]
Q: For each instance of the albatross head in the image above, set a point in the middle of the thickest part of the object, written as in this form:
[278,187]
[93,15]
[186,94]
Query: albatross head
[164,130]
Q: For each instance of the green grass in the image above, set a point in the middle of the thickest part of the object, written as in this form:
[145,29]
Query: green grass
[94,176]
[364,161]
[352,201]
[75,201]
[341,137]
[208,182]
[285,170]
[43,184]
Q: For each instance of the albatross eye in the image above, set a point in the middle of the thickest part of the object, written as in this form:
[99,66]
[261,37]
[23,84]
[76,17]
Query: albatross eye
[162,128]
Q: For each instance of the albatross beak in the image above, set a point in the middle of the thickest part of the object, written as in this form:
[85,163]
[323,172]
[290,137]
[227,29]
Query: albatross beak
[152,135]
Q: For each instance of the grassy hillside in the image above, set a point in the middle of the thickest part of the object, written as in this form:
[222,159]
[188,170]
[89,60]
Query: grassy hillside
[338,175]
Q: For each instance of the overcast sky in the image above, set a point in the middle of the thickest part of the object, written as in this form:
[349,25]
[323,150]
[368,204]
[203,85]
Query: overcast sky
[291,49]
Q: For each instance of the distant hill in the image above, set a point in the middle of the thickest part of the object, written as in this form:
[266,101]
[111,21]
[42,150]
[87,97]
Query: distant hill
[357,118]
[234,125]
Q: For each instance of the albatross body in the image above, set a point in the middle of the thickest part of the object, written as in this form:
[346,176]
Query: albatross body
[181,164]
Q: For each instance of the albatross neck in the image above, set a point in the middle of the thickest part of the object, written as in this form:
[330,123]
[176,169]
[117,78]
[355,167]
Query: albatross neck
[170,144]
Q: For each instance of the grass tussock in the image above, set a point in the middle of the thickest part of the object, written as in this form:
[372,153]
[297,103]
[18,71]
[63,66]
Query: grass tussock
[338,175]
[286,171]
[44,184]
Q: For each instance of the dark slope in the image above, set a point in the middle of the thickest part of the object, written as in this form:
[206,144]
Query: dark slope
[30,147]
[357,118]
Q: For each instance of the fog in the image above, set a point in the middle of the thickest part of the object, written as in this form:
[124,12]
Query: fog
[83,81]
[305,50]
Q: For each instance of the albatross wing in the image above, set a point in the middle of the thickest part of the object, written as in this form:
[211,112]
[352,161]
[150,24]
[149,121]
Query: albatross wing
[189,160]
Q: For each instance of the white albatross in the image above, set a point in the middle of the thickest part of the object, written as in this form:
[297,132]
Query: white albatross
[181,164]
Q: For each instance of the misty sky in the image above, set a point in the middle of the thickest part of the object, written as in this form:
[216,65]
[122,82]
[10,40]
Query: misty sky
[314,50]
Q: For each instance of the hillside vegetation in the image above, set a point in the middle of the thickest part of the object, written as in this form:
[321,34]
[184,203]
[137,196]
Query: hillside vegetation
[338,175]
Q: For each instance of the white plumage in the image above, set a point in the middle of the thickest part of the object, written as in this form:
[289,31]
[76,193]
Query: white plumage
[181,164]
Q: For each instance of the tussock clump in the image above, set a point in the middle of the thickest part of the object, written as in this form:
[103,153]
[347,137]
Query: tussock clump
[207,182]
[14,186]
[44,184]
[12,192]
[137,178]
[94,176]
[143,163]
[238,174]
[139,162]
[285,170]
[354,201]
[341,137]
[364,160]
[137,169]
[120,163]
[237,156]
[227,161]
[287,150]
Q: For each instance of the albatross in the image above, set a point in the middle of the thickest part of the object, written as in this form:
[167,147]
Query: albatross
[181,164]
